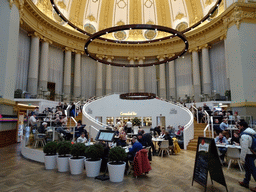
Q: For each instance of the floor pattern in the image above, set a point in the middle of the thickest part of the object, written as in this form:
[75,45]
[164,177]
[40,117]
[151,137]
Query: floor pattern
[173,173]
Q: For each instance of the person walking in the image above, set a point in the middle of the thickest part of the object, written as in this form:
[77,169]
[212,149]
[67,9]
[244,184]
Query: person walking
[247,155]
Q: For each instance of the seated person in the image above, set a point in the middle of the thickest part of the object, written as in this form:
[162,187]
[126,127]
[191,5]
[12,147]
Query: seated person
[146,140]
[157,130]
[122,137]
[171,131]
[179,134]
[63,120]
[82,138]
[168,137]
[162,134]
[79,129]
[223,141]
[224,125]
[42,128]
[136,146]
[235,139]
[216,127]
[116,131]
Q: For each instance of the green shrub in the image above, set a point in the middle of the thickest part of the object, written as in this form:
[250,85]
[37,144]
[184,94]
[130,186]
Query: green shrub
[94,152]
[77,149]
[136,121]
[50,148]
[117,155]
[64,148]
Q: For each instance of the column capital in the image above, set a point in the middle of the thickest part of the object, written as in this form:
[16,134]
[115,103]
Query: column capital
[109,57]
[78,52]
[161,57]
[131,58]
[196,49]
[68,49]
[205,46]
[35,34]
[139,58]
[46,40]
[100,56]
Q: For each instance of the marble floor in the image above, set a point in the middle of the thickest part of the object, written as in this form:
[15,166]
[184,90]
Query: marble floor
[173,173]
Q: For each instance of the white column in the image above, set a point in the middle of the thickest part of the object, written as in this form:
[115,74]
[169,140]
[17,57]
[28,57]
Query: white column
[77,75]
[206,70]
[162,84]
[172,82]
[67,73]
[141,83]
[33,65]
[9,39]
[43,71]
[196,75]
[131,76]
[109,76]
[99,83]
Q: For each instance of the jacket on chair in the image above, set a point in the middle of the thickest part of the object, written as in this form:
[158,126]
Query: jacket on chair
[141,162]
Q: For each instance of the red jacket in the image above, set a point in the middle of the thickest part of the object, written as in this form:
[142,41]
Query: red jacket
[141,162]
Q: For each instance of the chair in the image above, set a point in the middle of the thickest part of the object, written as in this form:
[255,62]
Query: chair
[233,154]
[39,138]
[135,130]
[164,147]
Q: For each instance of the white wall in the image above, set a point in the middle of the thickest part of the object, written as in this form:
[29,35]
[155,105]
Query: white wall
[111,106]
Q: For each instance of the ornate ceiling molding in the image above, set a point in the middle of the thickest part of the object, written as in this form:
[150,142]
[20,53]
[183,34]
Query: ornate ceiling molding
[35,21]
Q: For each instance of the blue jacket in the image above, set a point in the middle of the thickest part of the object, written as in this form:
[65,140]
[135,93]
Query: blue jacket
[135,148]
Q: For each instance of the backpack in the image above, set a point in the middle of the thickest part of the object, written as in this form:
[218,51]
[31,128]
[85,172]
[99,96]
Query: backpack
[253,146]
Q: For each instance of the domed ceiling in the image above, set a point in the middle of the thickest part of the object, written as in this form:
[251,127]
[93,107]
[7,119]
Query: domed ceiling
[95,15]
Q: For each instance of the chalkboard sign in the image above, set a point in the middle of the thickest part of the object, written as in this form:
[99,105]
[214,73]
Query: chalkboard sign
[207,159]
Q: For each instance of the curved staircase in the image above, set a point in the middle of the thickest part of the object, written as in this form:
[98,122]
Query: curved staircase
[198,132]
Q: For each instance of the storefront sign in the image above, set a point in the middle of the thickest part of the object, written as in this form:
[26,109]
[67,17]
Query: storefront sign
[128,114]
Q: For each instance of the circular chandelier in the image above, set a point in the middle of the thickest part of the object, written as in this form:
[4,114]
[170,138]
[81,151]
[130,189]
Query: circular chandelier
[137,96]
[137,26]
[67,21]
[173,33]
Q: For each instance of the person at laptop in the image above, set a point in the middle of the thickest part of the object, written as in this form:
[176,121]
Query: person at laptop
[222,141]
[136,146]
[82,138]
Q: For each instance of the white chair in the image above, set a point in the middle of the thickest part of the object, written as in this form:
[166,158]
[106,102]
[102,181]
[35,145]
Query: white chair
[164,147]
[135,130]
[39,138]
[233,154]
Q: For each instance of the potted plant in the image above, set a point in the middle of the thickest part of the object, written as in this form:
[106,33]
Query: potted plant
[50,158]
[63,149]
[116,164]
[76,162]
[93,159]
[228,94]
[136,123]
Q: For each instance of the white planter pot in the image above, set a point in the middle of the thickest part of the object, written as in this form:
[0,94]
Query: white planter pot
[116,172]
[76,166]
[50,161]
[92,168]
[63,164]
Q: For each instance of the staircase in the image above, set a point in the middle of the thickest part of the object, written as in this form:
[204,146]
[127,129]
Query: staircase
[198,132]
[79,117]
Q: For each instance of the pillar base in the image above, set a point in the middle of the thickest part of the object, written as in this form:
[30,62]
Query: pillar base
[43,84]
[162,93]
[108,91]
[207,88]
[197,92]
[77,91]
[99,92]
[172,93]
[32,86]
[245,108]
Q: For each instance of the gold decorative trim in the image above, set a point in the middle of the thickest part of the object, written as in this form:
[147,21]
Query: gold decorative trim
[11,2]
[243,104]
[7,102]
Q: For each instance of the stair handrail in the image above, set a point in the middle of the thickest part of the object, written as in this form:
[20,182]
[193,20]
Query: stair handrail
[196,113]
[208,124]
[188,132]
[212,126]
[76,105]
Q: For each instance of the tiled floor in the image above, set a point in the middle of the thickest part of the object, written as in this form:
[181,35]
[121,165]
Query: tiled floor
[173,173]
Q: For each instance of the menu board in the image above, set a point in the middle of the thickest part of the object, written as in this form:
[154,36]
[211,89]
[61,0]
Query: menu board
[207,159]
[105,135]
